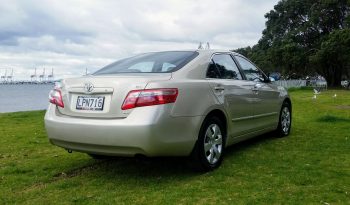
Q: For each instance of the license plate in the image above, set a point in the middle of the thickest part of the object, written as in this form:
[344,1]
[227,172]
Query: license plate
[90,103]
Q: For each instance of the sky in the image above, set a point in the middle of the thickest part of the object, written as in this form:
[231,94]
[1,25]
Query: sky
[70,36]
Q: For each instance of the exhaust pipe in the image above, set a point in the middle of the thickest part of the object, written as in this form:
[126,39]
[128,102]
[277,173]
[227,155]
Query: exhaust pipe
[69,151]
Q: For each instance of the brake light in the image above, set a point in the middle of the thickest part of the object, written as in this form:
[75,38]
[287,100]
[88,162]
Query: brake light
[55,97]
[148,97]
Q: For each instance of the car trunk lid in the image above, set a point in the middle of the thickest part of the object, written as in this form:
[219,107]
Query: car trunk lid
[83,97]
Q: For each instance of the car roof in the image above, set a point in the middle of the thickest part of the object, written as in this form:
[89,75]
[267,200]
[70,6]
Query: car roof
[202,51]
[213,51]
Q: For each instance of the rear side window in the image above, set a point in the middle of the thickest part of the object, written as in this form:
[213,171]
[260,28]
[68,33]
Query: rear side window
[159,62]
[212,71]
[223,66]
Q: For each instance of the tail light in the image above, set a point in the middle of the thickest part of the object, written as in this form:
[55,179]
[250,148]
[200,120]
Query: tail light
[148,97]
[55,97]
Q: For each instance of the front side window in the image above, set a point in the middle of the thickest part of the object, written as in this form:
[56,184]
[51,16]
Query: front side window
[158,62]
[223,66]
[251,72]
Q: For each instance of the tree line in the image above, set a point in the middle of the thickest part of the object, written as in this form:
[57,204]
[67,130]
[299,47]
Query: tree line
[305,37]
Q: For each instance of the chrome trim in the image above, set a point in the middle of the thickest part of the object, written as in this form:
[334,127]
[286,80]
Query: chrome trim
[254,117]
[95,91]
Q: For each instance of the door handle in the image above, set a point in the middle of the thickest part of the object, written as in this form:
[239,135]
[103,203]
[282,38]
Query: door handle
[219,88]
[256,87]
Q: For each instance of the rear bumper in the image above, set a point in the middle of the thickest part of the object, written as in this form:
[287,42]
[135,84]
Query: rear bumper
[149,131]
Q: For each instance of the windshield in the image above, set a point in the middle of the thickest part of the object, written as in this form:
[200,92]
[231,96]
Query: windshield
[159,62]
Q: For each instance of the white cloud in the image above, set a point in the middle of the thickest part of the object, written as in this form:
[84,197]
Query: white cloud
[70,36]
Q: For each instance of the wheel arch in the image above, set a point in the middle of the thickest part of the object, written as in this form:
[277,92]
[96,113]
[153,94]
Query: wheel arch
[287,100]
[197,158]
[221,115]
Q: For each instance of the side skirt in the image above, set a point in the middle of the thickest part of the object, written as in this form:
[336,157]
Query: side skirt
[234,140]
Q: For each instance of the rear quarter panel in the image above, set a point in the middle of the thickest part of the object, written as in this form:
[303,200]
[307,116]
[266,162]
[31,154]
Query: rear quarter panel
[194,98]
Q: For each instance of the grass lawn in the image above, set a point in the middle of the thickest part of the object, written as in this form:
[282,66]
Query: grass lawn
[311,166]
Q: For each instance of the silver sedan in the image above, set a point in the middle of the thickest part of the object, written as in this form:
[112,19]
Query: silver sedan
[174,103]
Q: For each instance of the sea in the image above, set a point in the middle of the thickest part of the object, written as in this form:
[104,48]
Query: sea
[24,97]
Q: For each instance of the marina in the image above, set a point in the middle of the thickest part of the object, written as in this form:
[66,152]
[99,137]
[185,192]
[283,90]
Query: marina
[26,95]
[43,78]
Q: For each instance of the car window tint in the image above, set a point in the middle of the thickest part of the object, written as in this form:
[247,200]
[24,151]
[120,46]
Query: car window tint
[251,72]
[158,62]
[212,71]
[167,67]
[227,67]
[142,67]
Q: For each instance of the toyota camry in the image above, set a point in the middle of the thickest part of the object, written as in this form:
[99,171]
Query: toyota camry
[191,103]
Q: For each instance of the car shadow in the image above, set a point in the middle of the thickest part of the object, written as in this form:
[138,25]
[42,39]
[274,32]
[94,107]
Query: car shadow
[252,142]
[158,168]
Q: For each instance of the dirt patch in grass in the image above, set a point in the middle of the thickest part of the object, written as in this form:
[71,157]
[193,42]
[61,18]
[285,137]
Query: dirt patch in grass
[343,107]
[36,186]
[77,171]
[332,118]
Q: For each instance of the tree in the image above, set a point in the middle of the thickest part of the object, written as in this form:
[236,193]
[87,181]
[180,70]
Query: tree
[334,56]
[294,37]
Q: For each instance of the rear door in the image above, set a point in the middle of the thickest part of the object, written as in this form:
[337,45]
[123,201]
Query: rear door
[265,109]
[232,91]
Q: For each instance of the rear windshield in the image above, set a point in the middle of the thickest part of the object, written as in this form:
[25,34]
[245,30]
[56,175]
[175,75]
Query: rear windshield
[159,62]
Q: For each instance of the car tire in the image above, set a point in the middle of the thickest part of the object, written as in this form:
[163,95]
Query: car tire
[285,120]
[209,148]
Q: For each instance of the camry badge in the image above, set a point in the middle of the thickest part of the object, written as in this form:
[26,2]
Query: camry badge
[88,87]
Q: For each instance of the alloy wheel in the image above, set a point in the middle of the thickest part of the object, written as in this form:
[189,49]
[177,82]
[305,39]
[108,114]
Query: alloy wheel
[213,143]
[285,120]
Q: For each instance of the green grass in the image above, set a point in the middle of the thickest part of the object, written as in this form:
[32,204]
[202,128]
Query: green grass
[311,166]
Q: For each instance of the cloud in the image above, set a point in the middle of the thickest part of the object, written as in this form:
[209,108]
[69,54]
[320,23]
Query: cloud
[70,36]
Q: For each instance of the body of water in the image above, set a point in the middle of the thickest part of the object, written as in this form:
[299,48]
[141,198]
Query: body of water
[25,97]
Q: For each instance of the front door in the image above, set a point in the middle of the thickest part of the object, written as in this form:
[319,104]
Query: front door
[266,109]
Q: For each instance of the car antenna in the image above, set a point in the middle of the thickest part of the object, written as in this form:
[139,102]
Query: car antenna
[200,45]
[207,46]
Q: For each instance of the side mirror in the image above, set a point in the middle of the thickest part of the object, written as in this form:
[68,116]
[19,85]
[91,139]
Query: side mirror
[268,79]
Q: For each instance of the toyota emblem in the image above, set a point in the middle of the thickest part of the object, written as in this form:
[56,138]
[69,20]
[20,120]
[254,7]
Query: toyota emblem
[88,87]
